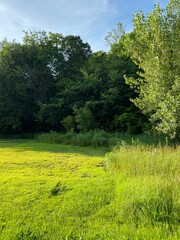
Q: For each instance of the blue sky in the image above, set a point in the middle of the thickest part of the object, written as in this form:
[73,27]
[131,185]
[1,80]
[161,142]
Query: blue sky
[90,19]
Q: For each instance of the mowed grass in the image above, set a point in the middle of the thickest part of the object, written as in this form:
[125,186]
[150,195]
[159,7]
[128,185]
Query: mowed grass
[54,191]
[51,191]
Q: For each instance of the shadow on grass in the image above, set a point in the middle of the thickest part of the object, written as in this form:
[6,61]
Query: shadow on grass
[24,145]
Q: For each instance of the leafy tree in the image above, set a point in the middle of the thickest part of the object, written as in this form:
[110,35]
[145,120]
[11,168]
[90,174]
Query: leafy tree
[68,55]
[113,37]
[32,76]
[84,119]
[154,45]
[25,80]
[51,82]
[114,93]
[13,88]
[69,123]
[101,93]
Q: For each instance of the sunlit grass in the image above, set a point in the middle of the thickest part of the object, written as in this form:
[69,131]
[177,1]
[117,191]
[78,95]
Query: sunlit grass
[147,191]
[46,191]
[53,191]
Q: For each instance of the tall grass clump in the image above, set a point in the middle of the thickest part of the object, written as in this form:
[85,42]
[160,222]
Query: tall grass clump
[147,189]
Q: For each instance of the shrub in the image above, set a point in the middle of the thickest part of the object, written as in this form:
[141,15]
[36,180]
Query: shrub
[68,123]
[84,119]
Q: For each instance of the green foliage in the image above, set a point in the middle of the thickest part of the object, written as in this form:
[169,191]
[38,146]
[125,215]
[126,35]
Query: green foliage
[129,122]
[154,47]
[100,138]
[68,123]
[112,38]
[84,119]
[32,74]
[52,82]
[103,90]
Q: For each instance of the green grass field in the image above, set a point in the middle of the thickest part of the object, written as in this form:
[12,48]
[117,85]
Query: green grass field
[54,191]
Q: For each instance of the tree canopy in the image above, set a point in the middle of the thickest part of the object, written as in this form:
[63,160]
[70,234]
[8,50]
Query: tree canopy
[55,82]
[52,82]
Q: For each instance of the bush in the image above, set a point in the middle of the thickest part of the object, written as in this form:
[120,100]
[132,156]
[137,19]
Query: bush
[130,123]
[68,123]
[84,119]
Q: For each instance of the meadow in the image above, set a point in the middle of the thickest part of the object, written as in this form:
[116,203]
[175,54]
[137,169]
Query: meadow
[56,191]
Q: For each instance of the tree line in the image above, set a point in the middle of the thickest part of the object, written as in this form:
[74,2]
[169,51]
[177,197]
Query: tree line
[55,82]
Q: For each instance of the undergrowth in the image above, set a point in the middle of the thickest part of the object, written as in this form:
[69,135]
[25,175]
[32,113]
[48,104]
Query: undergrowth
[100,139]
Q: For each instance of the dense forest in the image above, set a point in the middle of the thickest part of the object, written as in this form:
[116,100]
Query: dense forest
[55,82]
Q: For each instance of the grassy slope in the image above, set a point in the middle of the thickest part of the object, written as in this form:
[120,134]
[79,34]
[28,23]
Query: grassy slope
[66,192]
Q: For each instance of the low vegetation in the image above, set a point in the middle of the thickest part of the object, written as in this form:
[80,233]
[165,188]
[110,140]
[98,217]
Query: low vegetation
[55,191]
[100,139]
[147,189]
